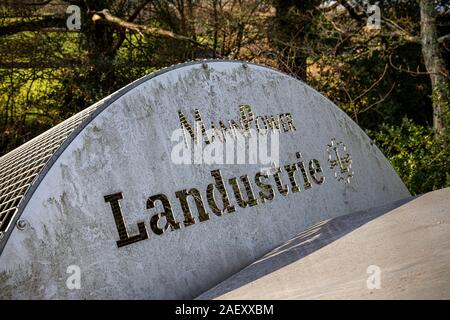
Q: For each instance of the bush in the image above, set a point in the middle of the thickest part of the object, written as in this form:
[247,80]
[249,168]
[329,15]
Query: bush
[420,158]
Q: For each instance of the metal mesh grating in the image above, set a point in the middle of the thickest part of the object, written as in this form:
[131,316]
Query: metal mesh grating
[20,167]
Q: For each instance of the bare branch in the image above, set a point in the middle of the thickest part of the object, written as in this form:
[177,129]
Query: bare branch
[444,38]
[379,101]
[402,33]
[373,85]
[106,16]
[139,8]
[415,73]
[352,11]
[43,3]
[361,17]
[131,18]
[33,25]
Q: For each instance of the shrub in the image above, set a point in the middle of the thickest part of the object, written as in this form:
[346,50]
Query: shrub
[420,158]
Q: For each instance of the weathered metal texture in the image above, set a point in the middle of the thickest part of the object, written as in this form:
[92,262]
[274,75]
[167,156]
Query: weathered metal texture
[125,146]
[20,168]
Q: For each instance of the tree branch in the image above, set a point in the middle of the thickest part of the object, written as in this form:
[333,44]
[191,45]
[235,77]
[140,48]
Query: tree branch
[80,3]
[373,84]
[444,38]
[106,16]
[352,11]
[379,101]
[33,25]
[131,18]
[402,33]
[139,8]
[38,3]
[361,16]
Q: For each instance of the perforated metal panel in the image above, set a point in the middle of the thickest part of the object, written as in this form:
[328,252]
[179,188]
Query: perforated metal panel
[21,167]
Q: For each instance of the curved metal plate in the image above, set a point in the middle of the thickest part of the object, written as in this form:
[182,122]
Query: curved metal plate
[113,202]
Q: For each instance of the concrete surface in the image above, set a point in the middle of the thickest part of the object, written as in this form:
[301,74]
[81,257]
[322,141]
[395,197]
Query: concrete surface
[127,148]
[410,244]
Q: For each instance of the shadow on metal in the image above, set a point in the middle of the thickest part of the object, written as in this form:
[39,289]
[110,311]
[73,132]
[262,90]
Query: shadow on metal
[302,245]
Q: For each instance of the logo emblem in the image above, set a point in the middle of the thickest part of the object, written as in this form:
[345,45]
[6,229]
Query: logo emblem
[340,161]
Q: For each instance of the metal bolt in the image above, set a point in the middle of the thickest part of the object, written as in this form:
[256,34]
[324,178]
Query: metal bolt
[244,65]
[21,224]
[205,65]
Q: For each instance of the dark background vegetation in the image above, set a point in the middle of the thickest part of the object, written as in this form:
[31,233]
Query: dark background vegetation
[393,81]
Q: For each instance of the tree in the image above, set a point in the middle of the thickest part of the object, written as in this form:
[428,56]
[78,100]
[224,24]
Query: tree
[435,65]
[48,72]
[431,44]
[292,25]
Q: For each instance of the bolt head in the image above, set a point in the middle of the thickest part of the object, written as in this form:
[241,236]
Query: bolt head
[21,224]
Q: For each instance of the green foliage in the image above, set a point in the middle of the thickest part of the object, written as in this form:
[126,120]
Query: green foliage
[420,158]
[441,96]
